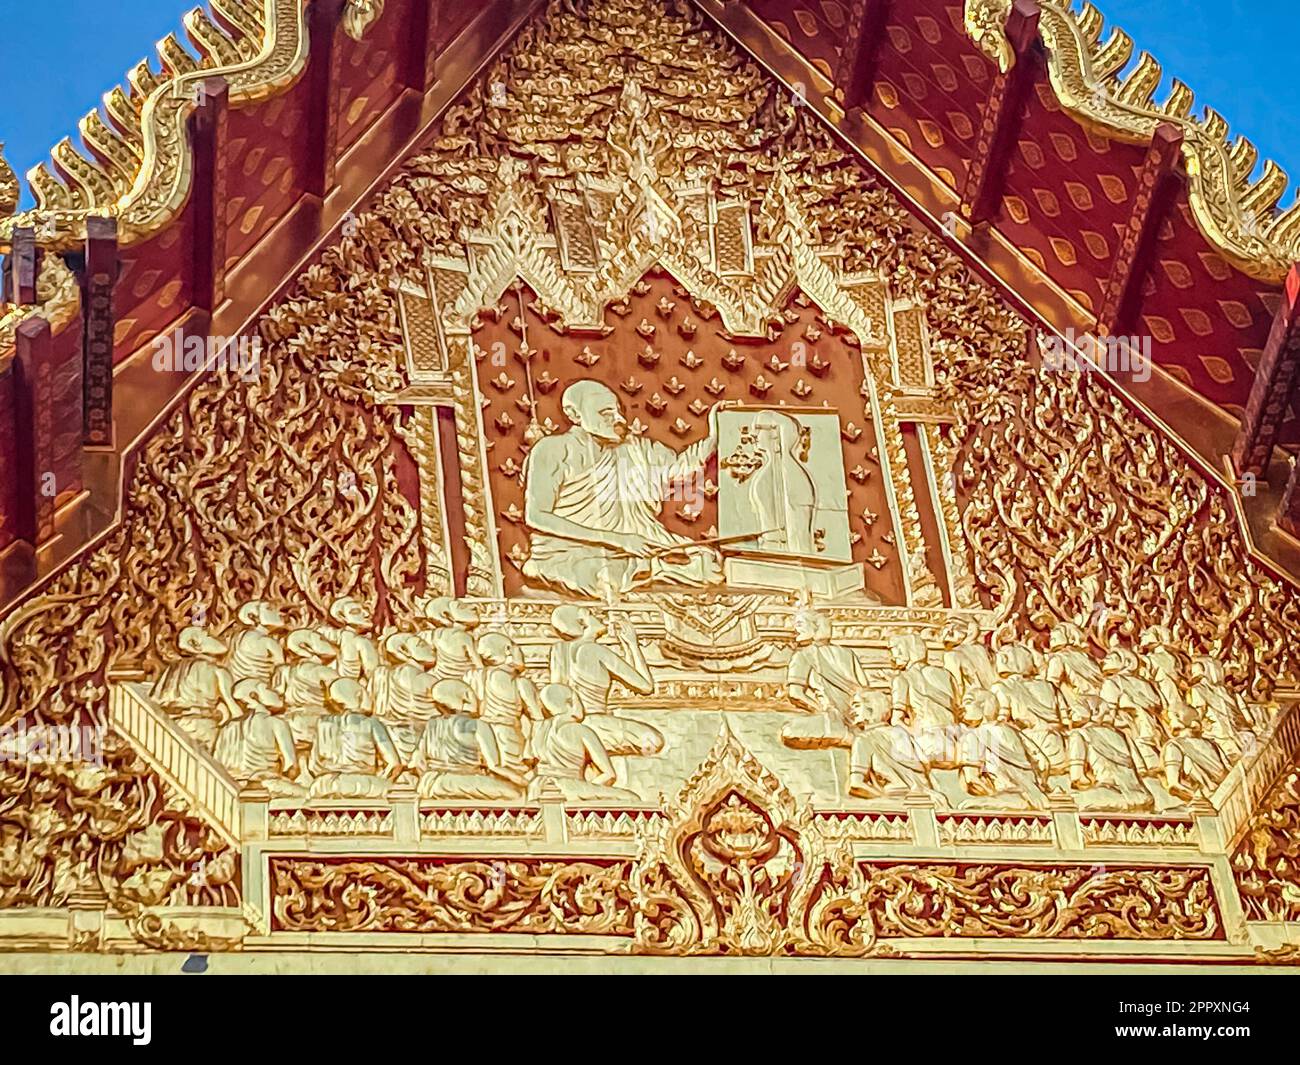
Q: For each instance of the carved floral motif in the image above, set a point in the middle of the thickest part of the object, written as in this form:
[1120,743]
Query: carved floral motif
[525,895]
[1066,902]
[739,867]
[295,488]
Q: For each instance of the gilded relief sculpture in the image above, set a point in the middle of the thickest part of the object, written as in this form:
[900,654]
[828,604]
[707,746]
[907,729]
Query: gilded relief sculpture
[583,566]
[593,496]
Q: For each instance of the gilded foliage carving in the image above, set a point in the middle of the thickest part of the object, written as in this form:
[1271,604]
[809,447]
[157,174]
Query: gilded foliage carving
[413,895]
[288,487]
[281,486]
[1075,509]
[738,867]
[1267,861]
[1067,902]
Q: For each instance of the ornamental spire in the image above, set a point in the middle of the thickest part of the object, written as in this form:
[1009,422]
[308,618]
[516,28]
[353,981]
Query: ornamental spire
[8,186]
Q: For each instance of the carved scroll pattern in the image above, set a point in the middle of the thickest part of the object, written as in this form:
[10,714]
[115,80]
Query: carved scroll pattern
[1066,902]
[280,487]
[422,895]
[284,488]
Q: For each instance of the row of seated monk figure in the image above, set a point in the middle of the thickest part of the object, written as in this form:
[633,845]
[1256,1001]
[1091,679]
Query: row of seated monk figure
[338,711]
[1020,723]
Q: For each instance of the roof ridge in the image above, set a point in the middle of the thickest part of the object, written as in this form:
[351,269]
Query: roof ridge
[1240,217]
[138,169]
[135,167]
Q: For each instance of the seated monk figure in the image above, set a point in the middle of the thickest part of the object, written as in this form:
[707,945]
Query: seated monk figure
[1194,765]
[1103,762]
[403,690]
[510,700]
[996,762]
[924,697]
[965,657]
[458,756]
[570,756]
[883,759]
[258,747]
[1229,720]
[255,648]
[304,680]
[353,756]
[350,633]
[1076,674]
[1132,703]
[196,689]
[452,639]
[590,667]
[592,497]
[821,676]
[1032,704]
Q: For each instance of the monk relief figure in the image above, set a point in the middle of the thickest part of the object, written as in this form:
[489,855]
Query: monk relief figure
[925,698]
[255,650]
[353,756]
[592,500]
[821,676]
[1229,720]
[510,700]
[1076,674]
[258,746]
[996,763]
[304,680]
[196,689]
[403,690]
[1032,704]
[966,657]
[358,656]
[590,667]
[458,756]
[1103,762]
[1134,704]
[1193,763]
[452,639]
[571,757]
[883,759]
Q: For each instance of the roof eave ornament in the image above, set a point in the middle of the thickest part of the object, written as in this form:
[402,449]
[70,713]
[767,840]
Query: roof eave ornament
[360,15]
[8,187]
[986,22]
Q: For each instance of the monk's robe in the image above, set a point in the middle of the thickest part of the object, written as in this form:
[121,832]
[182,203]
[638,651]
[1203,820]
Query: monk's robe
[832,673]
[612,488]
[1104,756]
[259,747]
[348,757]
[563,756]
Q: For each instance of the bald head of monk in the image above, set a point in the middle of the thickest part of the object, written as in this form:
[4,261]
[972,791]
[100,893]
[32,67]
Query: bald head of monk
[595,409]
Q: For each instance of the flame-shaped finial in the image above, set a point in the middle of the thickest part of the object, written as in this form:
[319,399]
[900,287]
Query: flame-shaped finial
[8,186]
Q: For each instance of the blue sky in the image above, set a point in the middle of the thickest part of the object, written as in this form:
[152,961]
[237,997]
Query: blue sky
[60,56]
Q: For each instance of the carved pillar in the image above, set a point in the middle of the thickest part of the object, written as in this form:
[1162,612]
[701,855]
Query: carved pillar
[97,283]
[34,418]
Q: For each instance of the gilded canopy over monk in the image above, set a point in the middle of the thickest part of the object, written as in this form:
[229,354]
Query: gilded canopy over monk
[592,500]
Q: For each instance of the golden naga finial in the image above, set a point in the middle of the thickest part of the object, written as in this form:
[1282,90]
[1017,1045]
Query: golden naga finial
[8,186]
[360,15]
[986,22]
